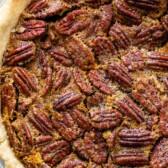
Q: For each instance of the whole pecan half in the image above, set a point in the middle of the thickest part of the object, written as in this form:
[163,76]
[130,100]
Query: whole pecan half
[120,74]
[128,107]
[55,152]
[23,53]
[60,56]
[165,22]
[8,100]
[75,21]
[131,157]
[81,119]
[62,79]
[25,82]
[156,60]
[104,49]
[127,14]
[72,161]
[66,126]
[159,157]
[164,119]
[135,137]
[67,100]
[133,60]
[105,119]
[31,29]
[119,36]
[150,36]
[147,96]
[79,52]
[106,18]
[96,147]
[145,4]
[82,82]
[41,121]
[45,8]
[99,79]
[80,148]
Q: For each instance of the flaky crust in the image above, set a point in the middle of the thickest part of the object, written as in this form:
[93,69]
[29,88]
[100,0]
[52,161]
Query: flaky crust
[10,13]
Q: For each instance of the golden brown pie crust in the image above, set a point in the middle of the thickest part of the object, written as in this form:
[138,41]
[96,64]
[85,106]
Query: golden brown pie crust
[10,13]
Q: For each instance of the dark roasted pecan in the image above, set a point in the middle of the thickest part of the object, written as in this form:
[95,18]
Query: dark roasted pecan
[126,106]
[131,157]
[93,3]
[55,152]
[24,81]
[8,100]
[62,79]
[45,8]
[75,21]
[133,60]
[96,147]
[144,4]
[159,157]
[20,145]
[43,63]
[72,161]
[165,22]
[127,14]
[119,36]
[42,139]
[120,74]
[67,100]
[80,148]
[99,79]
[66,126]
[26,131]
[157,60]
[105,119]
[49,82]
[147,96]
[150,36]
[41,121]
[31,29]
[110,138]
[95,99]
[81,119]
[164,119]
[60,56]
[82,82]
[24,53]
[135,137]
[79,52]
[104,49]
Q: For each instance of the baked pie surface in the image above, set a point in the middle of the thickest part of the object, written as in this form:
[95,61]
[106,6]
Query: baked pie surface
[84,83]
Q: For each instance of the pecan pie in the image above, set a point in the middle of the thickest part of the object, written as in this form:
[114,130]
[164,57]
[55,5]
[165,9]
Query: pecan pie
[84,84]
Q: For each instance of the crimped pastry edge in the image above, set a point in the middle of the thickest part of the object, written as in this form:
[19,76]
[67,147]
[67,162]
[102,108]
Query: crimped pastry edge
[10,13]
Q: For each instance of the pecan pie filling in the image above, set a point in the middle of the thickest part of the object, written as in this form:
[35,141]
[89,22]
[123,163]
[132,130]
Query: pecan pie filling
[84,84]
